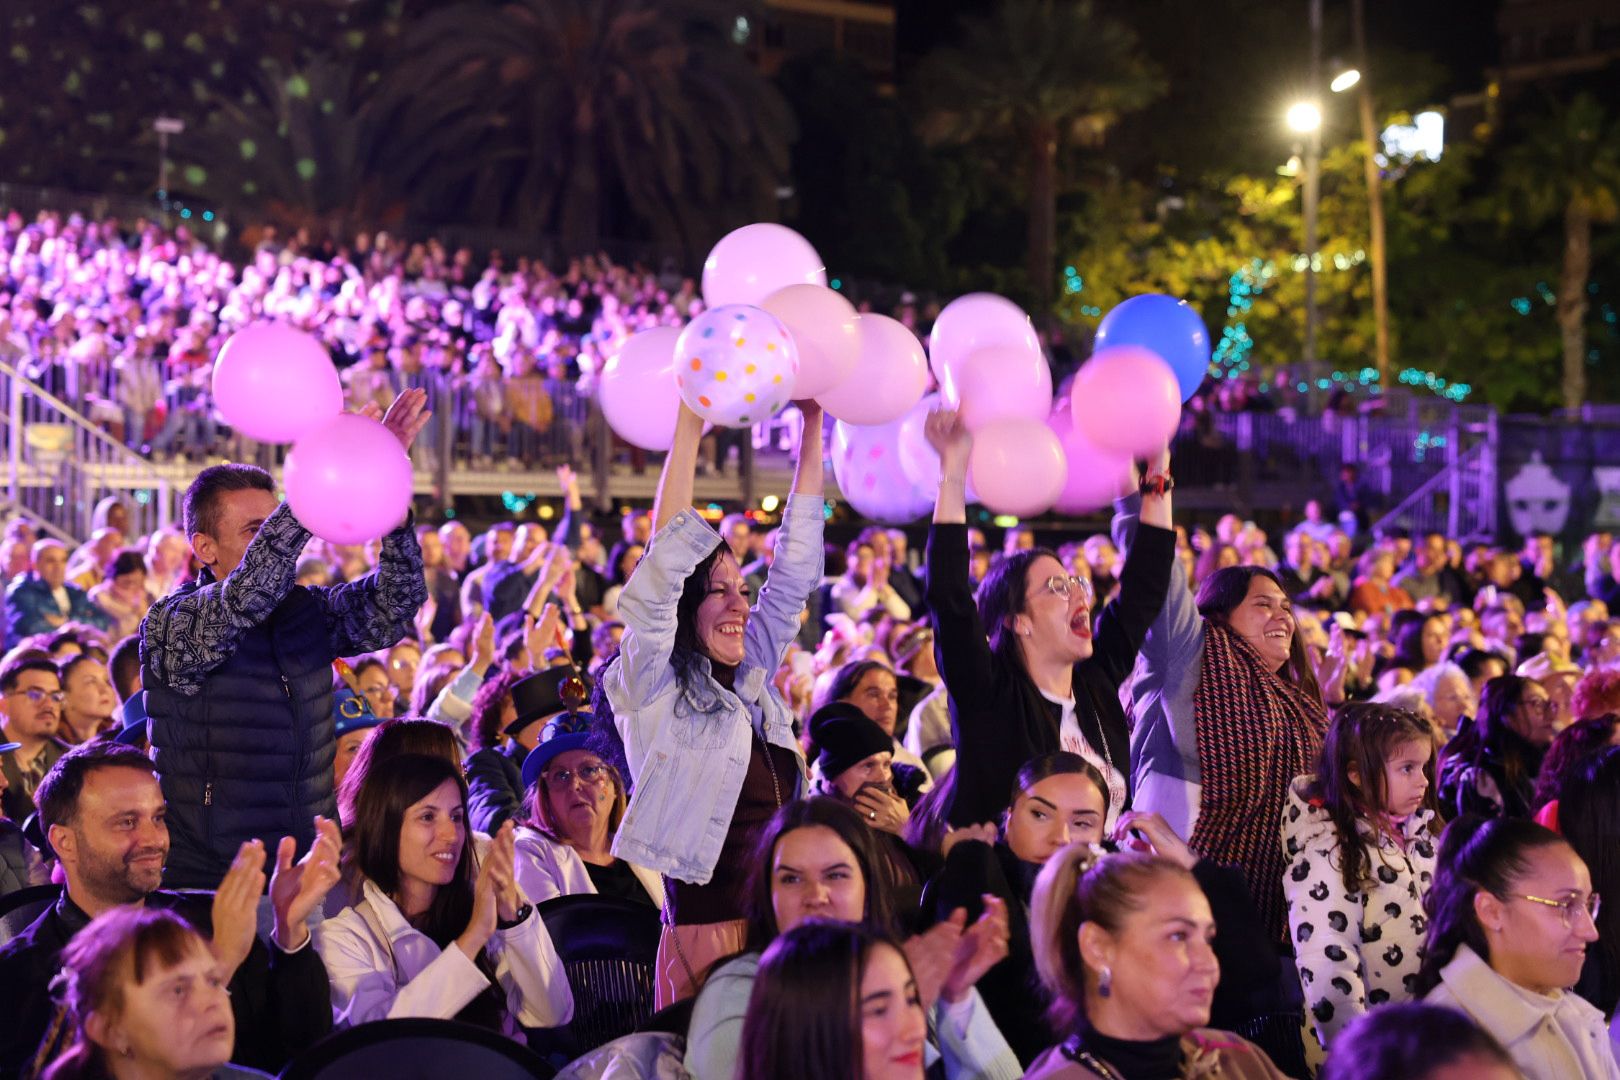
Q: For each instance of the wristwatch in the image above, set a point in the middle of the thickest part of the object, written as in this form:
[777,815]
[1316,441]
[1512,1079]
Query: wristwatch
[517,920]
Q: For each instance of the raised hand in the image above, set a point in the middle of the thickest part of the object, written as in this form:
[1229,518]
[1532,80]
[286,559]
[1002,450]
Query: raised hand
[949,437]
[408,416]
[882,810]
[932,955]
[483,649]
[501,864]
[236,907]
[981,947]
[296,890]
[1141,831]
[986,833]
[481,926]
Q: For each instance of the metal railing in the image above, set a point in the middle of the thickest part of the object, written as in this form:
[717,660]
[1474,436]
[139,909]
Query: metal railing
[1459,501]
[61,465]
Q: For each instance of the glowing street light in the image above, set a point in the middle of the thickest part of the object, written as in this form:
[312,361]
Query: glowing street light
[1304,117]
[1344,80]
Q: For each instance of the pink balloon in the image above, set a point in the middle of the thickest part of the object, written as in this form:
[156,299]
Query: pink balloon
[888,383]
[275,383]
[638,392]
[1127,401]
[1095,478]
[869,476]
[823,327]
[349,481]
[750,263]
[1000,383]
[735,365]
[918,459]
[1017,467]
[977,321]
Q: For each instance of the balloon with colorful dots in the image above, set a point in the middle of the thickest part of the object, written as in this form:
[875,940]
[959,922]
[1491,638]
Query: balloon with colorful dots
[736,365]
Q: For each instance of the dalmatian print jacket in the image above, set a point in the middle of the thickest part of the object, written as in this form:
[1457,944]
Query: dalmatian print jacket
[1361,949]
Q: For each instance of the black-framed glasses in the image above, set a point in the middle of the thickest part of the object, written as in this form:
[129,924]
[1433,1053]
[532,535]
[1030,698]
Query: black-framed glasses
[1541,705]
[1569,905]
[590,774]
[36,695]
[1064,585]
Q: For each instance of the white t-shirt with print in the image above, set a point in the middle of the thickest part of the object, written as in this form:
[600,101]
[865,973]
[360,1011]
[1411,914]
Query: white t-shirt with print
[1070,739]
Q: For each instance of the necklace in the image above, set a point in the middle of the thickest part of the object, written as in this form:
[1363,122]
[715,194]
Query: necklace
[776,785]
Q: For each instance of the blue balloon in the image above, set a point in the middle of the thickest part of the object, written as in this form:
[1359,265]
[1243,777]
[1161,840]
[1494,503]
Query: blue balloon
[1167,326]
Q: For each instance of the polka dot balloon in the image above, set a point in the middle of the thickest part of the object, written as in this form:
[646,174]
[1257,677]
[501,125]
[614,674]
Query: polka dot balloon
[736,365]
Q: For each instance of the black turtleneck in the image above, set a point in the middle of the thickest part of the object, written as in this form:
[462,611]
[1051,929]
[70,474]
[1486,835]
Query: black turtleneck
[1156,1059]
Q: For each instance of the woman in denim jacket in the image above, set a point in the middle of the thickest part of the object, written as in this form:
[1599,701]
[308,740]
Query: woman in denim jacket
[707,742]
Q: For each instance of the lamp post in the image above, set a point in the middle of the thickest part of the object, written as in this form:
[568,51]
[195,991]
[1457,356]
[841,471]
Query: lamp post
[165,126]
[1305,120]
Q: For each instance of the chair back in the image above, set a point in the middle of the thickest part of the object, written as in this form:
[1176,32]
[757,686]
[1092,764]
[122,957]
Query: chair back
[416,1049]
[19,909]
[609,950]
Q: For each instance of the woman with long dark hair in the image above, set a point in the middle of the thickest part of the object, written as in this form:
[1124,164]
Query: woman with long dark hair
[818,861]
[434,932]
[1027,670]
[1511,916]
[1491,767]
[1588,816]
[688,710]
[1228,712]
[834,999]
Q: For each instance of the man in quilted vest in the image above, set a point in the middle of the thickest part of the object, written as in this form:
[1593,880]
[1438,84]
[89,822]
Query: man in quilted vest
[237,665]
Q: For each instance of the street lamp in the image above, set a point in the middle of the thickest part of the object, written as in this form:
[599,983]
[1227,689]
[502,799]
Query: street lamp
[1304,119]
[1344,80]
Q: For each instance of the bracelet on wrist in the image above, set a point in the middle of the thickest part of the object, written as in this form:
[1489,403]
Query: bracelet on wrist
[1159,484]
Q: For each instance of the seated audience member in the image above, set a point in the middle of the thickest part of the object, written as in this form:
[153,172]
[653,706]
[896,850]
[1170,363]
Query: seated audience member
[1597,693]
[871,686]
[371,682]
[390,739]
[1571,749]
[401,664]
[88,700]
[355,722]
[495,773]
[124,665]
[853,761]
[122,596]
[865,587]
[104,814]
[1481,666]
[833,999]
[1491,767]
[133,732]
[572,804]
[1511,916]
[1374,590]
[816,861]
[31,705]
[1358,840]
[1587,814]
[432,934]
[145,998]
[20,862]
[1124,946]
[1418,1042]
[1450,696]
[43,600]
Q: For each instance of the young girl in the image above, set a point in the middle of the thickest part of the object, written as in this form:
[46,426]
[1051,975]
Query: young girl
[1359,849]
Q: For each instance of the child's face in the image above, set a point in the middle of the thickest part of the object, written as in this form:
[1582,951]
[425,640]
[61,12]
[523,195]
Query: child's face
[1405,780]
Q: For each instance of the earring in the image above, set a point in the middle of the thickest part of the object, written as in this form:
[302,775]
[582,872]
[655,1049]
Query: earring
[1105,983]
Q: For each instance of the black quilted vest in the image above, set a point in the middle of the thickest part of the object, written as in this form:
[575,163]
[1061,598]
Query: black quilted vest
[250,755]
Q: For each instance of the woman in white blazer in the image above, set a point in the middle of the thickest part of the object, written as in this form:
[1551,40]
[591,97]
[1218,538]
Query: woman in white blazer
[573,802]
[433,935]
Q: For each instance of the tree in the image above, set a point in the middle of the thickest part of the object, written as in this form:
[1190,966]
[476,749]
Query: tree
[588,117]
[1568,166]
[1036,76]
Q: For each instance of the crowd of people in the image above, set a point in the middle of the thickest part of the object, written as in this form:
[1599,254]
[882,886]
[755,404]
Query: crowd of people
[1172,800]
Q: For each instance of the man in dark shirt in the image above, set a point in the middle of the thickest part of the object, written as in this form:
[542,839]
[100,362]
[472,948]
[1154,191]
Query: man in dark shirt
[105,816]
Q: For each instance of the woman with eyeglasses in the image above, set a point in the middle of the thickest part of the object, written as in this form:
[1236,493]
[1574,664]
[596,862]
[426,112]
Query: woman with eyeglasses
[572,804]
[371,676]
[1027,669]
[1490,768]
[1511,915]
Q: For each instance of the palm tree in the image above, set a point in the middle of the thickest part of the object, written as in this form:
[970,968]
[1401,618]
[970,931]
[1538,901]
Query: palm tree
[1038,75]
[568,116]
[1569,166]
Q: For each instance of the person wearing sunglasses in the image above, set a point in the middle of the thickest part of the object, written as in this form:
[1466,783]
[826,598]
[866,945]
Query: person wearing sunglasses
[31,706]
[1490,768]
[573,802]
[1512,913]
[1026,667]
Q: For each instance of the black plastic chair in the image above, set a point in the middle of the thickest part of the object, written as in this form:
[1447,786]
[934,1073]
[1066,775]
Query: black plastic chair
[609,950]
[416,1050]
[18,910]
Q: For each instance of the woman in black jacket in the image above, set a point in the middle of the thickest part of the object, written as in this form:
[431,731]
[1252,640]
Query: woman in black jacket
[1044,680]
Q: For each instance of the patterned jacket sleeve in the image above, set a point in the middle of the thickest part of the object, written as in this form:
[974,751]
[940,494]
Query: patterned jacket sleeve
[376,611]
[188,634]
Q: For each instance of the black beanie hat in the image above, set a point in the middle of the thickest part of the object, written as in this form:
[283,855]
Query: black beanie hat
[845,738]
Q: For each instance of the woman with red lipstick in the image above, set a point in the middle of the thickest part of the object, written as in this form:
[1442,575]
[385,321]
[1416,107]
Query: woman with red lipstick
[1124,946]
[1023,668]
[436,932]
[834,1000]
[1511,916]
[146,999]
[688,713]
[1358,842]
